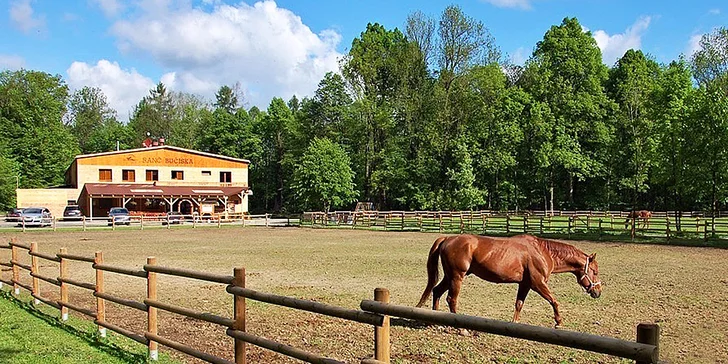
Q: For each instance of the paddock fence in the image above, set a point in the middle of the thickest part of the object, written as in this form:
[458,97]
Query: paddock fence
[666,225]
[375,313]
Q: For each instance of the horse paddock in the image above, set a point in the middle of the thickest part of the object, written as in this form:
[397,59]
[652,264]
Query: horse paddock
[681,288]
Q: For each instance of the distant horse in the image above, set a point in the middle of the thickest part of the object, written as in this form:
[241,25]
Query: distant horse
[642,217]
[523,259]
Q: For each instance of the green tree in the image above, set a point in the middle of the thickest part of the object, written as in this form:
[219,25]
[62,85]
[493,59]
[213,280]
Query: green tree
[31,127]
[88,112]
[153,115]
[8,181]
[226,99]
[632,84]
[710,62]
[567,74]
[323,178]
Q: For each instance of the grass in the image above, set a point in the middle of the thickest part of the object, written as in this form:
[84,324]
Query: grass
[681,288]
[29,335]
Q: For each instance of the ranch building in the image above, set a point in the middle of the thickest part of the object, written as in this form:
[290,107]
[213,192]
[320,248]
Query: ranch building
[151,180]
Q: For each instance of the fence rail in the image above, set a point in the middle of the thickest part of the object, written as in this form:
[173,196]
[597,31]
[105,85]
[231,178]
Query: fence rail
[596,224]
[375,313]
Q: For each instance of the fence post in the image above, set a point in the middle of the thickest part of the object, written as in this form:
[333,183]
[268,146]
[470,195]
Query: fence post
[381,334]
[34,271]
[83,221]
[540,225]
[113,223]
[239,314]
[218,221]
[267,220]
[16,271]
[152,311]
[705,230]
[141,222]
[63,267]
[649,333]
[440,215]
[600,228]
[667,229]
[55,220]
[100,304]
[568,229]
[525,223]
[508,223]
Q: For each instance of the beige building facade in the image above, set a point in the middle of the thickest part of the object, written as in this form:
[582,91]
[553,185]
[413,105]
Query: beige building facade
[149,180]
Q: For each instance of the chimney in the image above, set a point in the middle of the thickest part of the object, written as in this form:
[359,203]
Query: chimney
[161,141]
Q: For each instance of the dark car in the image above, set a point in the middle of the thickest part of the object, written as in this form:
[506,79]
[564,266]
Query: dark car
[174,217]
[72,212]
[119,216]
[36,216]
[14,215]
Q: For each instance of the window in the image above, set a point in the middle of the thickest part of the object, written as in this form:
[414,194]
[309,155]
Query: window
[178,175]
[152,175]
[128,175]
[226,177]
[104,175]
[206,173]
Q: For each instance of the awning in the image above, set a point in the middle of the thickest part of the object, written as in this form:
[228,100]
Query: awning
[123,190]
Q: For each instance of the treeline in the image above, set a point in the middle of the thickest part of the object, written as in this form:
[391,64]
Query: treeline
[431,117]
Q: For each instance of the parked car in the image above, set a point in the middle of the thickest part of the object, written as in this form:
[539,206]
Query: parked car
[174,217]
[72,212]
[36,216]
[13,215]
[119,216]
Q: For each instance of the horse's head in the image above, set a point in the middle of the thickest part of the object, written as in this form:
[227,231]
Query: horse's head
[590,277]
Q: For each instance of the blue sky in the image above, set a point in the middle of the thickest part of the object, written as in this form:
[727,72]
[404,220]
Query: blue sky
[283,48]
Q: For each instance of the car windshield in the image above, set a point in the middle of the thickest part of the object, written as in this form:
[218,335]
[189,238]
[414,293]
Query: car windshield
[119,211]
[32,211]
[71,208]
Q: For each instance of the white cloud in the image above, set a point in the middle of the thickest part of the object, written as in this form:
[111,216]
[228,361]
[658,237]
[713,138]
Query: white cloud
[714,11]
[11,62]
[109,7]
[123,88]
[268,49]
[522,4]
[519,57]
[23,17]
[693,44]
[614,46]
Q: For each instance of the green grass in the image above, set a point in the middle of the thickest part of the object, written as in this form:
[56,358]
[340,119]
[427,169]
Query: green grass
[31,335]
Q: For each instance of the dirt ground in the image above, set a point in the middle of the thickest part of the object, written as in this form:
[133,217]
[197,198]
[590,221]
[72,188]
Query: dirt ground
[681,288]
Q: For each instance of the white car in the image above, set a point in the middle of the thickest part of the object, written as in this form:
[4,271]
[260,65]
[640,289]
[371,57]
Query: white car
[36,216]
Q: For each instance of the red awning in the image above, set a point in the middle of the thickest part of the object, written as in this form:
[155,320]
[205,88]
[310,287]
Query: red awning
[155,191]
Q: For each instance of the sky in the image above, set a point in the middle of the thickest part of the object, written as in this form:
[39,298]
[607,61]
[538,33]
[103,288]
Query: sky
[281,48]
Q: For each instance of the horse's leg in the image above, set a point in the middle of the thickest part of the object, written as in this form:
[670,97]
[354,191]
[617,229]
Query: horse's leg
[523,289]
[438,291]
[542,289]
[456,282]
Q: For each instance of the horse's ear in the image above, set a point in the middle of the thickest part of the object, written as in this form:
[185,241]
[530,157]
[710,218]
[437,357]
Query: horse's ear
[593,256]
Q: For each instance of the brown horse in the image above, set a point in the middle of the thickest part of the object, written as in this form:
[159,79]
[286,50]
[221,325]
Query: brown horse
[523,259]
[641,215]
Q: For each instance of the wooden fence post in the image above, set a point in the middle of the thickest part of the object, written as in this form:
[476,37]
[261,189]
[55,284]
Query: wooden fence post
[218,221]
[600,228]
[568,229]
[34,271]
[141,222]
[649,333]
[54,220]
[267,220]
[152,311]
[63,267]
[100,304]
[83,222]
[381,334]
[239,314]
[540,225]
[508,223]
[16,270]
[667,229]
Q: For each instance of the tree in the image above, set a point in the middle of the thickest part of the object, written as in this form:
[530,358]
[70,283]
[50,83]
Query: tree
[464,42]
[632,84]
[420,29]
[88,112]
[153,115]
[226,99]
[8,181]
[710,62]
[567,74]
[31,127]
[323,178]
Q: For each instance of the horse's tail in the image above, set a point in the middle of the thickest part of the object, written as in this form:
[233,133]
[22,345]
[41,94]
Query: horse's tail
[432,270]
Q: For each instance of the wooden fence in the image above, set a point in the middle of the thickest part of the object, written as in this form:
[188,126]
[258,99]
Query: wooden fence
[595,224]
[375,312]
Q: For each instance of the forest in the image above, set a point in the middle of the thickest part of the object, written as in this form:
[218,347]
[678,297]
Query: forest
[431,116]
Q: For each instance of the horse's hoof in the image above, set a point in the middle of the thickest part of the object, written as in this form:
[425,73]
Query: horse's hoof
[557,326]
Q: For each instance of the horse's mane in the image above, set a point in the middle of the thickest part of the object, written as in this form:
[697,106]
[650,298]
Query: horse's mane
[560,250]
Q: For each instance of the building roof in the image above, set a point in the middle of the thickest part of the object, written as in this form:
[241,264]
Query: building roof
[155,191]
[170,147]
